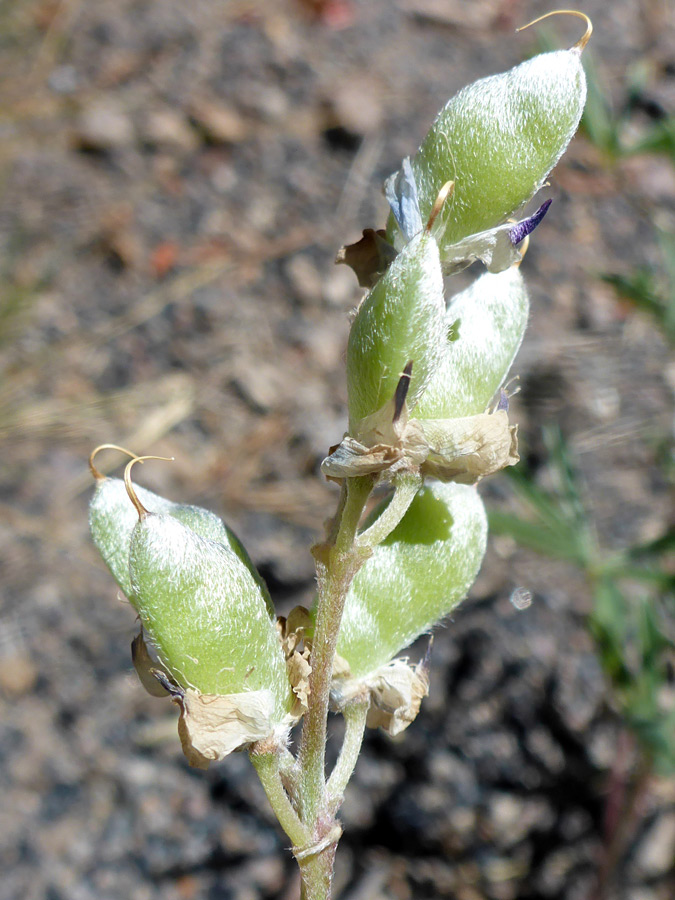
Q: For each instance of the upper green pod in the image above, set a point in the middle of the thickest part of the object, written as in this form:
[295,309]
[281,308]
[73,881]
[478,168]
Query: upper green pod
[112,518]
[485,325]
[415,577]
[498,139]
[400,321]
[204,612]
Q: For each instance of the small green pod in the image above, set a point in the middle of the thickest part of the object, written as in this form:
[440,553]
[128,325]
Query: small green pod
[485,325]
[112,518]
[498,139]
[205,613]
[401,320]
[415,578]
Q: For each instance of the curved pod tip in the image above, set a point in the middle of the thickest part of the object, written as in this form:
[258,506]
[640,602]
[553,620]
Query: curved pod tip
[445,192]
[140,509]
[583,40]
[99,476]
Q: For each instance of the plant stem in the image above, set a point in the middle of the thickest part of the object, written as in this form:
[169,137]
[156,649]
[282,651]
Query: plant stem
[267,766]
[315,832]
[355,714]
[623,824]
[290,772]
[406,488]
[317,874]
[337,561]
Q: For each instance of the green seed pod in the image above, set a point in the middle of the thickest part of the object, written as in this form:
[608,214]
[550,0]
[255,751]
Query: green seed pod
[498,139]
[112,518]
[485,325]
[208,525]
[418,575]
[400,321]
[205,613]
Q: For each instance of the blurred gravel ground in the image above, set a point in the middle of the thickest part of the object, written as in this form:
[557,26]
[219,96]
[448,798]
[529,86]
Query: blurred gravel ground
[175,181]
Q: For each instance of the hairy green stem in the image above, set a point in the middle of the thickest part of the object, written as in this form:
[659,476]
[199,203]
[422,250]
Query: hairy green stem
[355,714]
[316,872]
[290,773]
[337,562]
[406,487]
[315,832]
[267,766]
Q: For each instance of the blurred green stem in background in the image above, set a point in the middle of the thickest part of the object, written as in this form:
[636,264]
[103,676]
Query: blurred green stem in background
[631,621]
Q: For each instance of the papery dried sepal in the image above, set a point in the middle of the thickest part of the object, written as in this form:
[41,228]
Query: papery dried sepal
[295,634]
[396,691]
[212,726]
[463,450]
[466,450]
[369,258]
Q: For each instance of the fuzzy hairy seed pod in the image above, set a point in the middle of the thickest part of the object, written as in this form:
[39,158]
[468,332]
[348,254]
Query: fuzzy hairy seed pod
[485,325]
[112,518]
[401,320]
[498,139]
[415,578]
[205,613]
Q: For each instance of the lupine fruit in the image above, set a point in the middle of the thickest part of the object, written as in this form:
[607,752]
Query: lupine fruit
[449,435]
[112,518]
[418,575]
[485,325]
[420,378]
[204,612]
[498,139]
[401,320]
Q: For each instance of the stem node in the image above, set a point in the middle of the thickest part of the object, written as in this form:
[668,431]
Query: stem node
[332,837]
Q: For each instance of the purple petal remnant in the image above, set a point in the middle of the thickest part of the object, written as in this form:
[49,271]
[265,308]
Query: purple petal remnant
[521,230]
[503,400]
